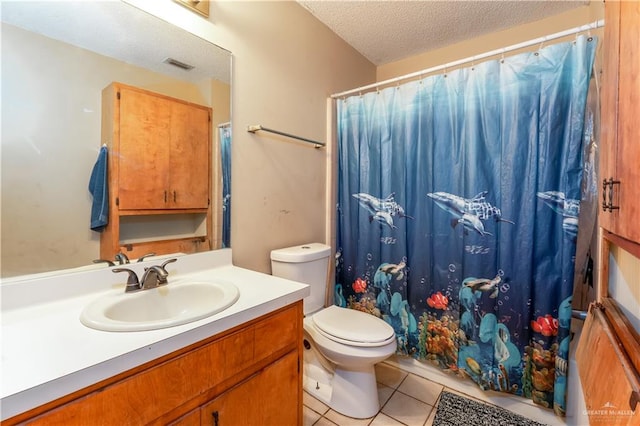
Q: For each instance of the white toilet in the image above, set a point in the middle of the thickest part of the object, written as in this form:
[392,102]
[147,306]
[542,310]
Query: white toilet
[341,345]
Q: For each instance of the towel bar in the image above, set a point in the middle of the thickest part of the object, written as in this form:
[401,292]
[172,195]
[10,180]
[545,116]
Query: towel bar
[255,128]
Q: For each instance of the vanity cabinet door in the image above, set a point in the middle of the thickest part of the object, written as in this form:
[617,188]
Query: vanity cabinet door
[163,153]
[192,418]
[270,397]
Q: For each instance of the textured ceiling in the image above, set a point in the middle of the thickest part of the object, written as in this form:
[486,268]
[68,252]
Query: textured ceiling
[386,31]
[121,31]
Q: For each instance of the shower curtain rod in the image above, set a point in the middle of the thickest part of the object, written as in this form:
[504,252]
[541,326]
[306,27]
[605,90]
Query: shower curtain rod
[503,50]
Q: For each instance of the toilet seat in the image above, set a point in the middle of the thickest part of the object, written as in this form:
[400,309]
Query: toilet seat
[353,328]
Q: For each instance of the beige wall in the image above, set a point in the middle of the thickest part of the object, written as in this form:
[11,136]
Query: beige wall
[573,18]
[285,65]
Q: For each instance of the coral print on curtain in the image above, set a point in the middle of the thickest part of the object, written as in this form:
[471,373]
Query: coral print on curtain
[458,201]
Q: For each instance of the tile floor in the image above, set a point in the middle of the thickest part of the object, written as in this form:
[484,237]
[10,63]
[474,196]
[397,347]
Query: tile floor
[405,398]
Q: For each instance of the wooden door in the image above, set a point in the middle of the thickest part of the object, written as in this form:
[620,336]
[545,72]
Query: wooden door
[628,158]
[189,156]
[143,150]
[270,397]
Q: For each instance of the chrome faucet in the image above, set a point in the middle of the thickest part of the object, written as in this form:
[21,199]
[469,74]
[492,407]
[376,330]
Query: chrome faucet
[122,258]
[153,277]
[132,282]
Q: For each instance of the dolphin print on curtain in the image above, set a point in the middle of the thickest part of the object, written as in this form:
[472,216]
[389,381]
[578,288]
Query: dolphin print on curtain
[458,199]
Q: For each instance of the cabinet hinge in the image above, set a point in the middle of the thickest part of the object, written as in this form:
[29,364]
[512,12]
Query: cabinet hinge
[118,95]
[117,201]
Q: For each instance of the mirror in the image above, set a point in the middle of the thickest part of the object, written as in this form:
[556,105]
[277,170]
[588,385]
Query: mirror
[56,59]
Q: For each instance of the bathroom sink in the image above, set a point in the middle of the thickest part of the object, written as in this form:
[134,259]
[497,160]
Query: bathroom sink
[165,306]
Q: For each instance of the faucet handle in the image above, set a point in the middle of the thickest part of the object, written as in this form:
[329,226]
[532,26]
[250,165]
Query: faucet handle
[142,258]
[165,263]
[133,283]
[110,263]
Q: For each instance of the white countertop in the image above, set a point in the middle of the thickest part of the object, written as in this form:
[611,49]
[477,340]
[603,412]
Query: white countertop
[47,353]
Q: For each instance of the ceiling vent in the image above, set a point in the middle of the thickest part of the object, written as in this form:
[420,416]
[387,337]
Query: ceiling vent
[178,64]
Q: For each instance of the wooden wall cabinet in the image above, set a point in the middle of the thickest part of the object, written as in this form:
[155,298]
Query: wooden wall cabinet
[160,163]
[608,354]
[620,142]
[250,375]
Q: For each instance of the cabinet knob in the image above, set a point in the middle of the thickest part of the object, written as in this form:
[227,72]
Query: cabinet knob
[215,418]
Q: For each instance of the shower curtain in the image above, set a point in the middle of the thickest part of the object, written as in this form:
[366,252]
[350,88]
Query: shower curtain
[457,215]
[225,166]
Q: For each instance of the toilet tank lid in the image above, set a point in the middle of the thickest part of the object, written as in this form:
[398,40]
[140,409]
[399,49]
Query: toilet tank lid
[301,253]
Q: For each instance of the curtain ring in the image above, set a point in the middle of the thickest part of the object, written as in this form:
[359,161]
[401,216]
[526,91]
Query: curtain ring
[502,57]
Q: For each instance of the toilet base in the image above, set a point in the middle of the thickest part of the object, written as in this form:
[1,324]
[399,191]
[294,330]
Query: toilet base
[353,393]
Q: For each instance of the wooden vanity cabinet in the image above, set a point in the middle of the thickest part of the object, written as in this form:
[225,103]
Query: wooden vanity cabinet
[250,375]
[160,164]
[271,387]
[620,141]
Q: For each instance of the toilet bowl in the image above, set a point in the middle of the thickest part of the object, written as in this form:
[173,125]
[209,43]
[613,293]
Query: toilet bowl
[342,345]
[350,367]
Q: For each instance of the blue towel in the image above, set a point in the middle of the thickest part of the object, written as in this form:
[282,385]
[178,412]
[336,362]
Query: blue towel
[99,188]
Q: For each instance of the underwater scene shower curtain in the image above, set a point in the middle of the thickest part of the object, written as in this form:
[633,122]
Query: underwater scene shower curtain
[457,215]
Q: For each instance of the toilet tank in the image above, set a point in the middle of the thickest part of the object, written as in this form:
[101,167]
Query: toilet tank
[308,264]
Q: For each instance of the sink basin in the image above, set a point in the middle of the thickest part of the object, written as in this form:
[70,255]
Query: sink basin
[166,306]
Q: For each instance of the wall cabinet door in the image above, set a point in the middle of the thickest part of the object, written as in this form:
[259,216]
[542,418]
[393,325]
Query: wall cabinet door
[164,152]
[620,153]
[143,154]
[189,157]
[270,397]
